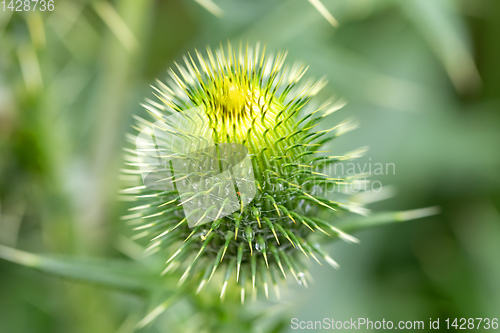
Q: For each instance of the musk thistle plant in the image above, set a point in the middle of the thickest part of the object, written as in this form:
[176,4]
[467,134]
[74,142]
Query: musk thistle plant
[234,176]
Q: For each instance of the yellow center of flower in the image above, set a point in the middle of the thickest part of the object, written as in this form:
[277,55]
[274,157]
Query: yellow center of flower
[239,109]
[234,98]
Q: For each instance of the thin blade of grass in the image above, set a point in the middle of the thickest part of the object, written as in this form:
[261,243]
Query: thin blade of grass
[320,7]
[360,223]
[211,7]
[117,274]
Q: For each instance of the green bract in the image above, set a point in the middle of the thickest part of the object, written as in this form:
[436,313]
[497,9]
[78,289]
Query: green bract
[248,99]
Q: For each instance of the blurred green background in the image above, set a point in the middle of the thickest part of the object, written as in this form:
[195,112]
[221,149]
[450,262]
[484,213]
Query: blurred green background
[422,77]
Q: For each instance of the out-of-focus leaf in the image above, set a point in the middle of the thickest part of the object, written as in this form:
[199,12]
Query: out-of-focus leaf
[478,231]
[158,310]
[320,7]
[211,7]
[445,30]
[117,274]
[361,223]
[117,25]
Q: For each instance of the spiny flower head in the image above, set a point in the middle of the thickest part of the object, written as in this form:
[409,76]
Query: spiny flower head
[234,182]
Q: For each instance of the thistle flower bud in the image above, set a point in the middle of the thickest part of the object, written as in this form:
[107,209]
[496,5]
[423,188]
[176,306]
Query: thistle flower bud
[233,170]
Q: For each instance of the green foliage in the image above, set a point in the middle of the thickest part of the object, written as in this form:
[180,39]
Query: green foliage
[420,76]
